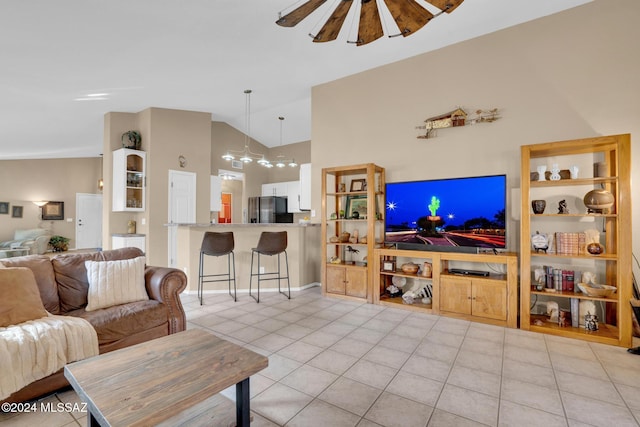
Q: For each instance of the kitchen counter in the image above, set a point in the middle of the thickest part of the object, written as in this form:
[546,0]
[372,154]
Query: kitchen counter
[303,250]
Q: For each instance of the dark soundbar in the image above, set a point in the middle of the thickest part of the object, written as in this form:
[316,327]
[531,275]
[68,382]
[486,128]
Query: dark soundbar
[465,272]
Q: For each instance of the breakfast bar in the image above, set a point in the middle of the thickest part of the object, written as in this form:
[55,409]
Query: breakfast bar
[303,253]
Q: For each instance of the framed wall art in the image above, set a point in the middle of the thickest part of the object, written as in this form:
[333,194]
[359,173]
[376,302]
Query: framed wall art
[356,207]
[53,211]
[358,185]
[16,212]
[4,208]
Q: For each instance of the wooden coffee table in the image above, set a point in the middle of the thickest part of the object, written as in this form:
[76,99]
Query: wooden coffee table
[163,379]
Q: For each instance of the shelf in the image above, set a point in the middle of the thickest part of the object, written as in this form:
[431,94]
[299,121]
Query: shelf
[567,182]
[584,215]
[398,301]
[601,257]
[604,332]
[567,294]
[401,274]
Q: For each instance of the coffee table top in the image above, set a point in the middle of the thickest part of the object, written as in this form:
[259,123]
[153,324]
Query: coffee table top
[150,382]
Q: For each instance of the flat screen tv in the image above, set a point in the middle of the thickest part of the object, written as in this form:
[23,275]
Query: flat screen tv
[447,215]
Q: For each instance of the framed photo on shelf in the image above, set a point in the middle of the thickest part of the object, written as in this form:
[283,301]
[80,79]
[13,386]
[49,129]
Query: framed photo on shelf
[388,265]
[16,212]
[53,211]
[358,185]
[356,204]
[4,208]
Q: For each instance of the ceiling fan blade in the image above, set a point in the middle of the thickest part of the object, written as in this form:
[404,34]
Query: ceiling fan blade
[295,16]
[370,27]
[409,15]
[331,28]
[442,4]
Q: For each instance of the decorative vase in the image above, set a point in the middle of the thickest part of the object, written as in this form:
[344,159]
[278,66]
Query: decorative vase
[410,268]
[541,171]
[555,172]
[538,206]
[595,248]
[427,269]
[598,201]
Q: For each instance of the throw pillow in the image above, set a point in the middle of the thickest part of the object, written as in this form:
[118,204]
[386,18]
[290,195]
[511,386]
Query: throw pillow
[20,300]
[115,282]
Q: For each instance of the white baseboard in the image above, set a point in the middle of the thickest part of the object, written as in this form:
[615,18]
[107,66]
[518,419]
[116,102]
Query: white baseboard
[246,291]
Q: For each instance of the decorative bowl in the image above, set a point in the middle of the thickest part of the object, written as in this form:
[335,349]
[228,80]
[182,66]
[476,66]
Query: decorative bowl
[410,268]
[593,290]
[344,237]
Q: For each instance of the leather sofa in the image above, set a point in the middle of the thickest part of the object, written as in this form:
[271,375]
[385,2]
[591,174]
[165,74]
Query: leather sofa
[63,285]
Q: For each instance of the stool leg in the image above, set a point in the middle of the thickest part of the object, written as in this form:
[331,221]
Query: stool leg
[258,300]
[286,260]
[200,284]
[251,277]
[235,290]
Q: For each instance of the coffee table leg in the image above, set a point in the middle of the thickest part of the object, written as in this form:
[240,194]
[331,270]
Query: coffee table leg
[242,403]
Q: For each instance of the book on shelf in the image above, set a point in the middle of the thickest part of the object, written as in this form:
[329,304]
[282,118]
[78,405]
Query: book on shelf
[570,243]
[575,312]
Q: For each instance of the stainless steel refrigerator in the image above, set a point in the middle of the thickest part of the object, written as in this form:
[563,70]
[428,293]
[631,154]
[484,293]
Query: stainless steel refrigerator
[268,209]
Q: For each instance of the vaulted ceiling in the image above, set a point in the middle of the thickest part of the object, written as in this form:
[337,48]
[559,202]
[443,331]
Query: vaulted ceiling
[66,63]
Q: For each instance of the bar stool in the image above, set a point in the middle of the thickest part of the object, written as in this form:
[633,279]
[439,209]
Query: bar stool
[218,244]
[271,243]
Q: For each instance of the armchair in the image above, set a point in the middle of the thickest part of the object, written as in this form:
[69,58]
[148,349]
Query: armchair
[36,239]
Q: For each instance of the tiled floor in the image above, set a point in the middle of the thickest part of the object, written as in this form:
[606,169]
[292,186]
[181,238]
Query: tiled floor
[335,363]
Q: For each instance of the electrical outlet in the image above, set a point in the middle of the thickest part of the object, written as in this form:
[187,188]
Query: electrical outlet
[143,221]
[313,213]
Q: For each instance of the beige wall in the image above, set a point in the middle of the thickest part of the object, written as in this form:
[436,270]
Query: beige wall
[26,181]
[566,76]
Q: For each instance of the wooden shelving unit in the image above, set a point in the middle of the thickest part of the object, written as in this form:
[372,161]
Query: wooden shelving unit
[350,275]
[489,299]
[613,156]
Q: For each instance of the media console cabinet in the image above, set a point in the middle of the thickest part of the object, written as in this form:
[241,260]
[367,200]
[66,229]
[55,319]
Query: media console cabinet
[491,299]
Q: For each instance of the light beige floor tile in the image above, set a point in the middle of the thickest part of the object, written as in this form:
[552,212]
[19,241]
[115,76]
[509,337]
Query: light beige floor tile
[313,322]
[482,362]
[480,331]
[589,387]
[321,339]
[583,352]
[289,317]
[280,403]
[319,413]
[248,334]
[272,342]
[338,328]
[414,387]
[426,367]
[392,315]
[398,342]
[573,365]
[387,356]
[366,423]
[445,338]
[380,325]
[350,395]
[525,339]
[300,351]
[469,404]
[545,399]
[329,315]
[227,327]
[440,418]
[207,320]
[596,412]
[513,414]
[631,396]
[367,335]
[479,345]
[272,325]
[353,319]
[529,373]
[257,384]
[332,361]
[451,326]
[395,411]
[231,313]
[309,380]
[370,373]
[352,347]
[475,379]
[432,350]
[306,309]
[279,367]
[624,375]
[530,356]
[416,333]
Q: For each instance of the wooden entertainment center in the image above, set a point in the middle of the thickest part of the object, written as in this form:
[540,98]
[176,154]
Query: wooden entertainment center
[491,299]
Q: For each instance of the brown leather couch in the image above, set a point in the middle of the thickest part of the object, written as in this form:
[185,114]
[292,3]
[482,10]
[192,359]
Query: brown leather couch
[62,282]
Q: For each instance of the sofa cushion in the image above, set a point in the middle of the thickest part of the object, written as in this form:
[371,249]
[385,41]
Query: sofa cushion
[115,282]
[71,274]
[120,321]
[20,297]
[43,271]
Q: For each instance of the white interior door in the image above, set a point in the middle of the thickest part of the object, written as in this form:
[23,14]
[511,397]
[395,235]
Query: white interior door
[182,206]
[88,220]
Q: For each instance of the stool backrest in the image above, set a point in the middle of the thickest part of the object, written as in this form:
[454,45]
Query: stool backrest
[272,242]
[217,243]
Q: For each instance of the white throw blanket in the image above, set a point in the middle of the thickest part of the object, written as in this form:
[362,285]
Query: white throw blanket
[35,349]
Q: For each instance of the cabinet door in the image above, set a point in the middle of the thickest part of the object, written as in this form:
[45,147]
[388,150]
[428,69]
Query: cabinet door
[335,280]
[268,190]
[305,186]
[128,180]
[489,300]
[356,285]
[293,196]
[455,295]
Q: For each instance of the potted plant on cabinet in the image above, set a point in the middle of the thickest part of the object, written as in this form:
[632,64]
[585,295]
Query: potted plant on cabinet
[59,243]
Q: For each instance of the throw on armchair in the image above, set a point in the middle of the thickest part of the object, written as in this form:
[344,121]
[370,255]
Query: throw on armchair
[36,239]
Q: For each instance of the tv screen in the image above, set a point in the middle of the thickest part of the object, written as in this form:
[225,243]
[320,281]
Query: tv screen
[459,214]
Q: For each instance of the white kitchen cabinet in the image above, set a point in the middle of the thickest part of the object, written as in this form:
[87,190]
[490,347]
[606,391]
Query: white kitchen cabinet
[128,241]
[216,194]
[293,196]
[275,189]
[305,187]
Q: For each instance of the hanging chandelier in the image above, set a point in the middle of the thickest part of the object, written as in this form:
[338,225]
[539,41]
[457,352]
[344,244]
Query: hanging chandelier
[246,155]
[281,161]
[409,17]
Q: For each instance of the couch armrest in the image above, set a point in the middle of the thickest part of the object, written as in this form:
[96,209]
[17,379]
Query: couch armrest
[164,285]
